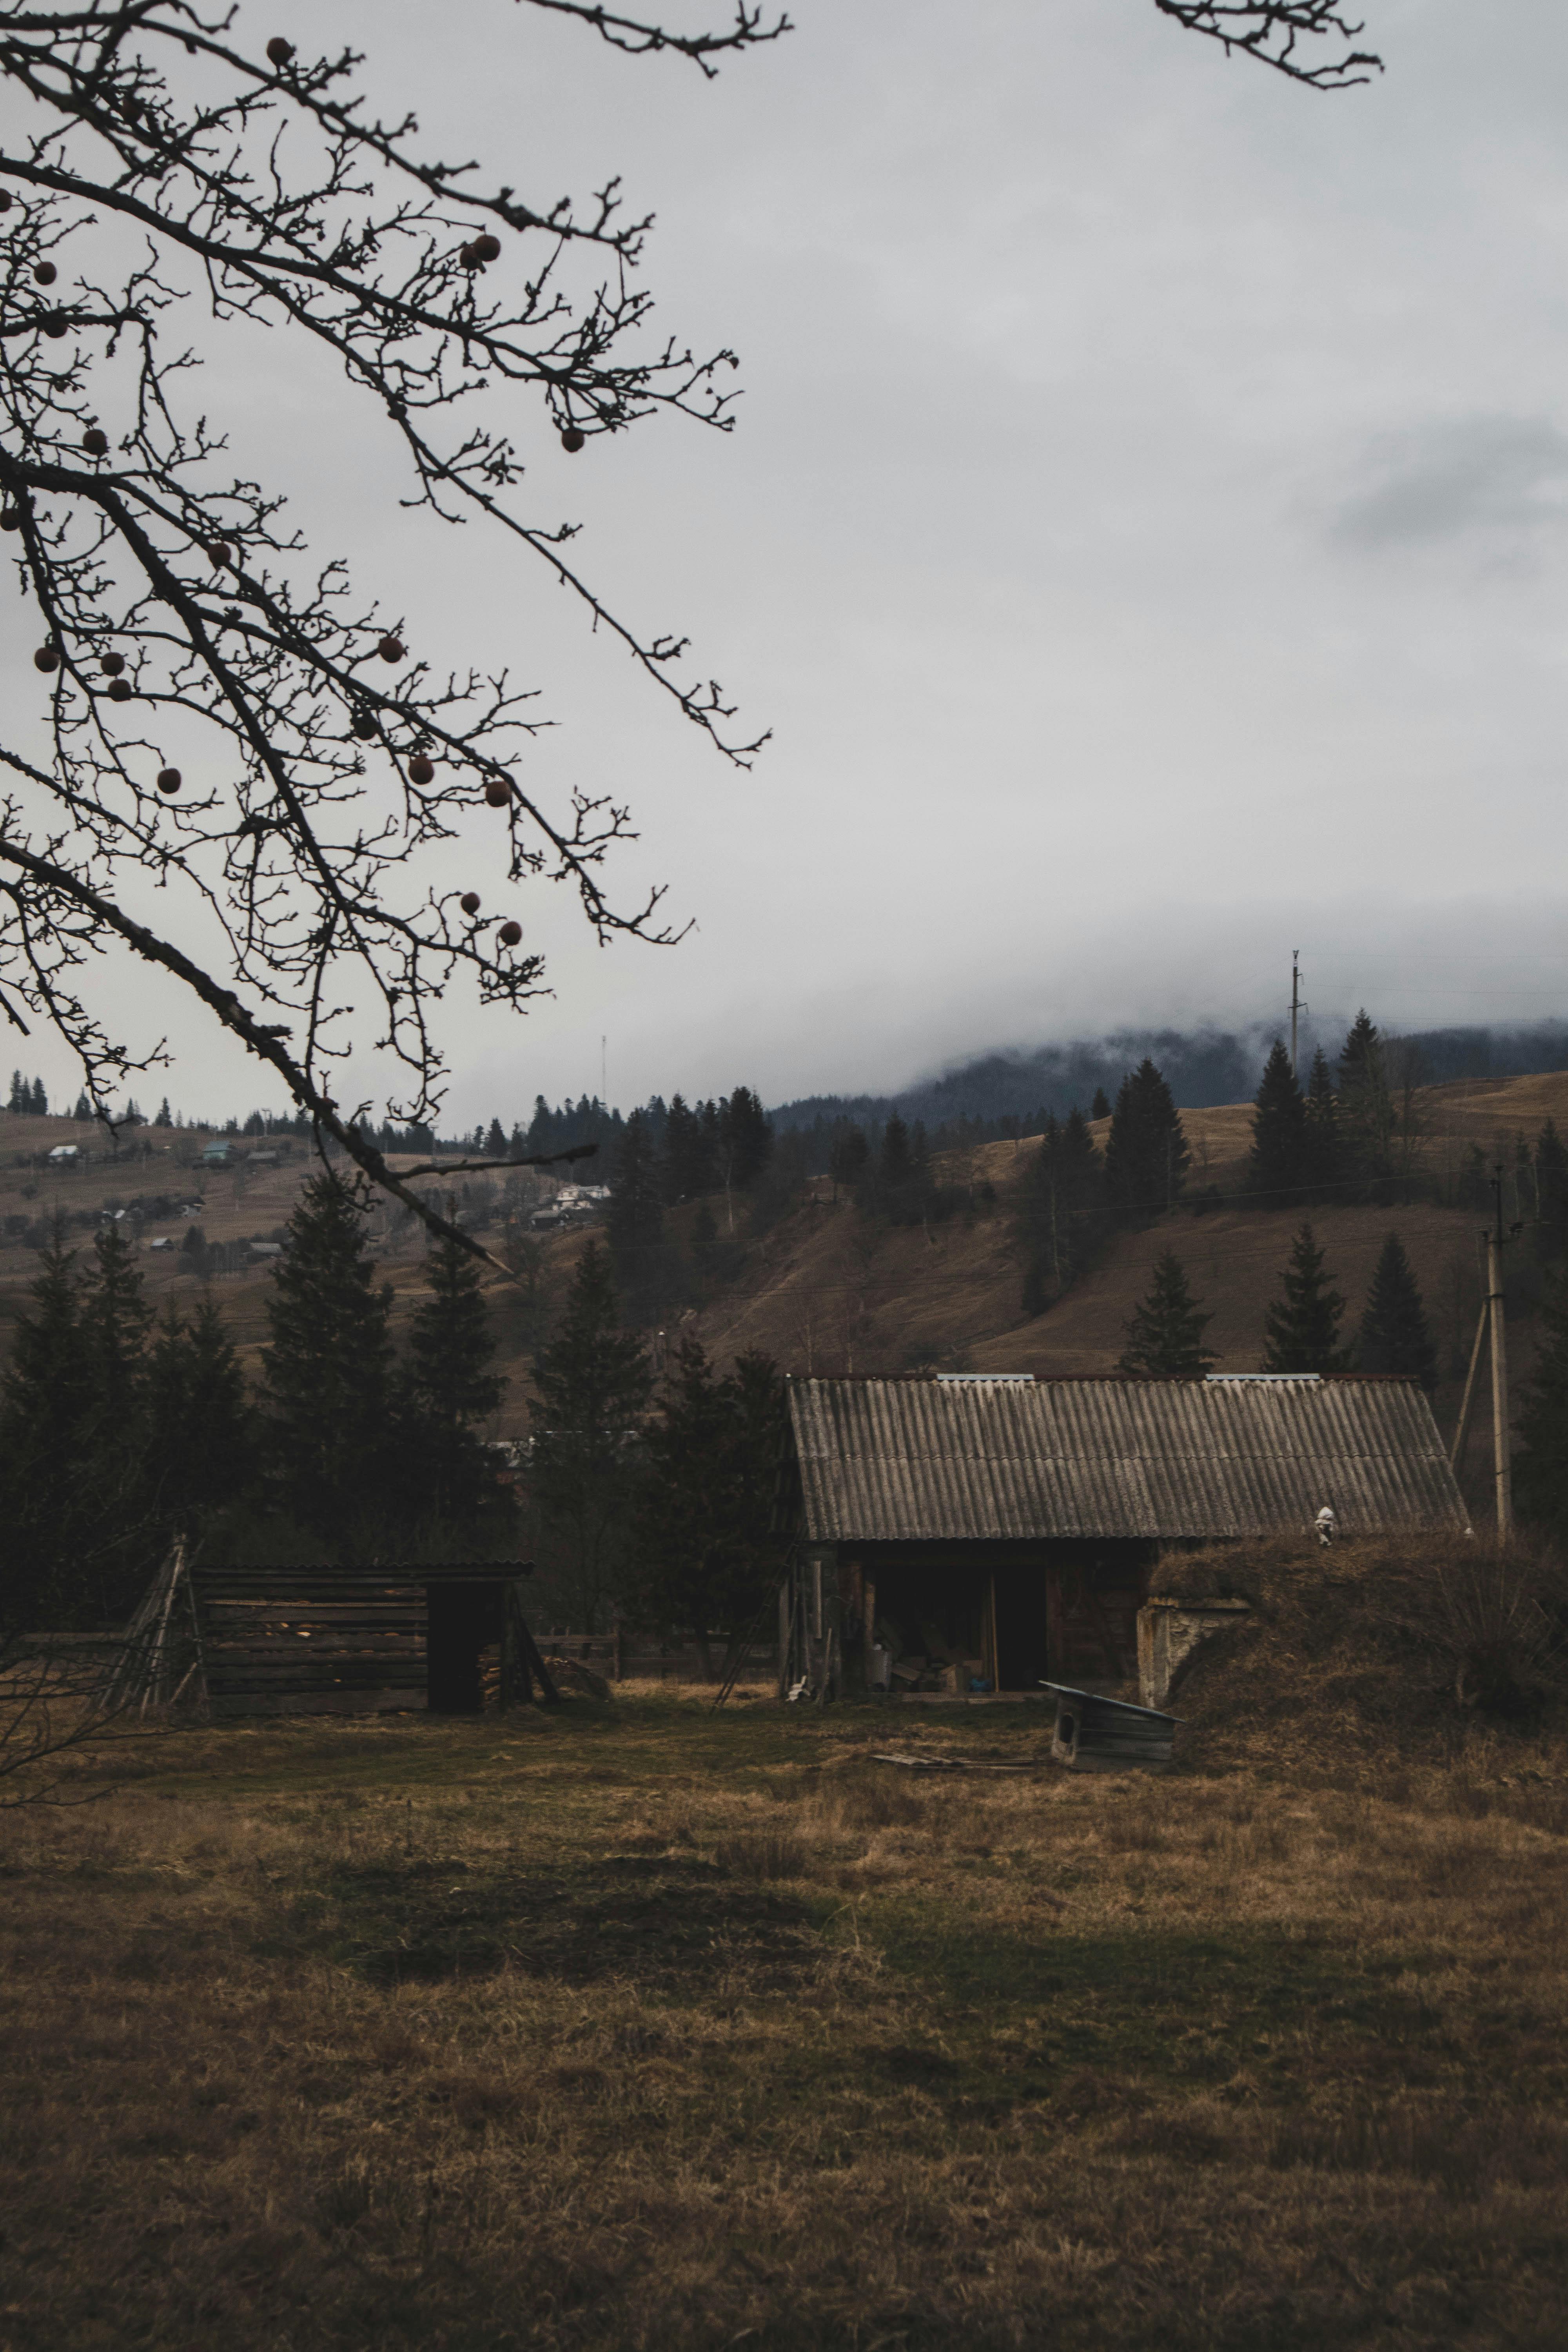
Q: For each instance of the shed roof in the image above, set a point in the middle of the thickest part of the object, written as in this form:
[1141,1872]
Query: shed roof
[911,1461]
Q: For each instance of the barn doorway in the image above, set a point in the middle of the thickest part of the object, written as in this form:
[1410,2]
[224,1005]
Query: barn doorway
[464,1619]
[1023,1641]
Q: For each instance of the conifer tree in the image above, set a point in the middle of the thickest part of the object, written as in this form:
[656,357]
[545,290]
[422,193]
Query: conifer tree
[903,1188]
[451,1389]
[40,1103]
[1540,1461]
[1146,1154]
[495,1141]
[1101,1106]
[894,1165]
[1394,1333]
[1324,1146]
[1165,1335]
[746,1138]
[201,1440]
[1277,1165]
[21,1093]
[704,1243]
[706,1553]
[83,1108]
[1063,1221]
[46,1443]
[1366,1105]
[848,1156]
[115,1321]
[636,1213]
[166,1117]
[688,1171]
[1552,1190]
[1303,1329]
[328,1368]
[592,1383]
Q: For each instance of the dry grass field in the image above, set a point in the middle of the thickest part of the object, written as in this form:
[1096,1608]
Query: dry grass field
[635,2025]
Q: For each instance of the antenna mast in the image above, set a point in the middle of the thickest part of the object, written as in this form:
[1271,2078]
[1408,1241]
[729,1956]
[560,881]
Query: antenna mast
[1298,1003]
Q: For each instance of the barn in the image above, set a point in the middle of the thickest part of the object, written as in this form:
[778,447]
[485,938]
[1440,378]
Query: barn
[315,1640]
[975,1532]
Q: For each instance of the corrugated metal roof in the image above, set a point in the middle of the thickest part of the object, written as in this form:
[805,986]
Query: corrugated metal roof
[889,1461]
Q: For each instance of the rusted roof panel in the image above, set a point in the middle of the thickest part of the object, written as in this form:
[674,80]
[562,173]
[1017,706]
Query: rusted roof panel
[889,1461]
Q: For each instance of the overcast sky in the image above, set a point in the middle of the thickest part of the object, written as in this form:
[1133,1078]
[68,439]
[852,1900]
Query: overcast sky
[1146,532]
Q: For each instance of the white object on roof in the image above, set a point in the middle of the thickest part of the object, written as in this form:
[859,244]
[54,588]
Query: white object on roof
[66,1151]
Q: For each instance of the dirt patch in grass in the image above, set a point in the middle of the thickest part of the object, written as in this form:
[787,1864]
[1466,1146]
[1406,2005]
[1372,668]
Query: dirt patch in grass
[698,2030]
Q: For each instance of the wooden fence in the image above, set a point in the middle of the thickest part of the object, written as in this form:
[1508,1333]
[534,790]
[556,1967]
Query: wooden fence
[639,1657]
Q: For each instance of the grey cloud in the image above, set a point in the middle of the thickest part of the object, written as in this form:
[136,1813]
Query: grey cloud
[1465,476]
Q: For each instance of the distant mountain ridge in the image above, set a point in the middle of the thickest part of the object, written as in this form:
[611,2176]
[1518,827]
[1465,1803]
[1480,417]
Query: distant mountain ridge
[1204,1068]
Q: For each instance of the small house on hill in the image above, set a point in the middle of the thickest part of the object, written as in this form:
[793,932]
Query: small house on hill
[1005,1528]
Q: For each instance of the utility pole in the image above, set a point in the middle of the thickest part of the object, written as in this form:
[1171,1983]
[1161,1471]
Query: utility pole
[1502,1463]
[1297,1006]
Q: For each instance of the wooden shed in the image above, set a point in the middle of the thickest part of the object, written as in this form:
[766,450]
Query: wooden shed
[308,1640]
[998,1532]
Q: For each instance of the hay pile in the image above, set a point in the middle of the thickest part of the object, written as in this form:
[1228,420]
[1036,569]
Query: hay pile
[1385,1639]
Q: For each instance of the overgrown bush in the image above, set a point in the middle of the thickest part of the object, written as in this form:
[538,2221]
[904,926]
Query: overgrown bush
[1403,1637]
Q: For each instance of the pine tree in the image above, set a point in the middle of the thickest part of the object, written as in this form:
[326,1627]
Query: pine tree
[894,1166]
[1540,1460]
[592,1383]
[40,1102]
[848,1156]
[1277,1165]
[201,1442]
[495,1141]
[1146,1154]
[1063,1222]
[1165,1335]
[451,1390]
[705,1549]
[746,1138]
[21,1093]
[543,1134]
[1101,1106]
[1303,1330]
[44,1446]
[1366,1108]
[115,1322]
[636,1213]
[1394,1334]
[83,1108]
[328,1368]
[1551,1190]
[689,1170]
[704,1243]
[164,1117]
[1325,1154]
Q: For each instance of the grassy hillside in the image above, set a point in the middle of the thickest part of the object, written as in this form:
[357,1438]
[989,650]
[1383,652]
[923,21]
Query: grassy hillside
[825,1292]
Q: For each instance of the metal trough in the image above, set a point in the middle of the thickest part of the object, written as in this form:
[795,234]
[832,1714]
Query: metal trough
[1108,1735]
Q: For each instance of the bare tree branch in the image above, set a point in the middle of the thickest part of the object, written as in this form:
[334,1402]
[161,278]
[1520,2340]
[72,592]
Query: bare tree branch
[172,592]
[1273,30]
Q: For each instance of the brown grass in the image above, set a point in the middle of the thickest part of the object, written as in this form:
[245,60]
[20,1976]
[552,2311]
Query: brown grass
[640,2027]
[1374,1650]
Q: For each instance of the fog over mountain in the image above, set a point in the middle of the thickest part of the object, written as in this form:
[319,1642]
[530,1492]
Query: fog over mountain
[1202,1066]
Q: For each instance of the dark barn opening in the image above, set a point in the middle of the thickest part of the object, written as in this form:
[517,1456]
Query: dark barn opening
[463,1621]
